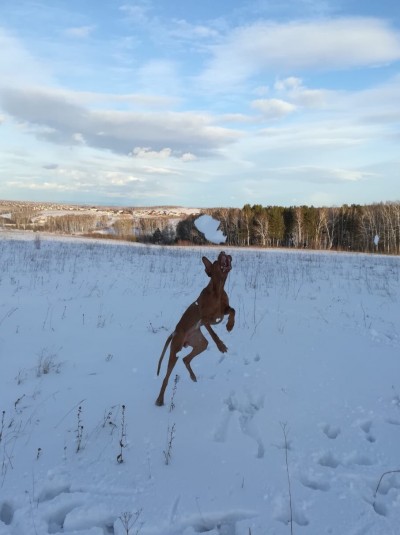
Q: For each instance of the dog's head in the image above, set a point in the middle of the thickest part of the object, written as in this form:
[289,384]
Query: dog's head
[221,266]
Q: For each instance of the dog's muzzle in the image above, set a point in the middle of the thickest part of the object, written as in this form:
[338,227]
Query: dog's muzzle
[225,264]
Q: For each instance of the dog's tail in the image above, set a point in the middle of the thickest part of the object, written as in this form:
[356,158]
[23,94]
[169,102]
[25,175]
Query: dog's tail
[163,351]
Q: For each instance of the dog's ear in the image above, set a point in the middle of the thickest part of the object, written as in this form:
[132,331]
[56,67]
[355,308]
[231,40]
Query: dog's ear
[208,265]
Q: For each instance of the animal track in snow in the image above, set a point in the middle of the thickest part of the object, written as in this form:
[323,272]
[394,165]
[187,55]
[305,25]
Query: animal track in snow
[329,460]
[314,483]
[57,518]
[222,430]
[331,431]
[61,510]
[379,508]
[283,514]
[223,523]
[393,421]
[57,501]
[366,427]
[246,411]
[50,492]
[6,513]
[388,481]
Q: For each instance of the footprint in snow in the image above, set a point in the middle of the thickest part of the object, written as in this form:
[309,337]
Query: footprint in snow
[366,427]
[314,482]
[49,492]
[386,484]
[392,421]
[246,412]
[57,518]
[6,513]
[284,514]
[221,523]
[331,431]
[328,460]
[380,508]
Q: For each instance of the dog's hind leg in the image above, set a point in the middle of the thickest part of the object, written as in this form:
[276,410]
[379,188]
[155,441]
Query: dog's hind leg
[198,343]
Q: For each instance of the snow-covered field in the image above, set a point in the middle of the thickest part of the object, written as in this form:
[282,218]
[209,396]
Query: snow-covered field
[288,432]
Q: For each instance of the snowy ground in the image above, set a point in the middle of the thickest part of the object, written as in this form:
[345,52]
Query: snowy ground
[314,355]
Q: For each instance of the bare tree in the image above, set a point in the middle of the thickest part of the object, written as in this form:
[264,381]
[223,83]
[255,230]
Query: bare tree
[261,227]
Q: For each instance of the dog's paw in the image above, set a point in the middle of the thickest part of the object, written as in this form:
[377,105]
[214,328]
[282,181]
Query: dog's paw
[230,325]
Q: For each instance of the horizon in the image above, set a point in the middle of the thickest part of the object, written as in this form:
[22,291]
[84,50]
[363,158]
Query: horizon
[227,104]
[121,204]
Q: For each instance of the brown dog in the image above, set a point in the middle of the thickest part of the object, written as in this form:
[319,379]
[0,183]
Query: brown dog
[209,309]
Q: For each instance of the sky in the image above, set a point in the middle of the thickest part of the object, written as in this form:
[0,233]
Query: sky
[200,104]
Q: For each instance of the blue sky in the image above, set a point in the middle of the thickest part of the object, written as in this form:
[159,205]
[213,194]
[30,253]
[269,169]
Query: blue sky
[211,103]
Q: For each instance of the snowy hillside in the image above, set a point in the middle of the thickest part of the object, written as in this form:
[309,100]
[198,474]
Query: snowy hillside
[288,432]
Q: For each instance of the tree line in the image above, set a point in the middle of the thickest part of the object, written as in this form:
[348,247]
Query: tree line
[364,228]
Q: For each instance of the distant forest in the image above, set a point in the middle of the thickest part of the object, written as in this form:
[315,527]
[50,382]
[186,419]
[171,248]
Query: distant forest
[362,228]
[371,228]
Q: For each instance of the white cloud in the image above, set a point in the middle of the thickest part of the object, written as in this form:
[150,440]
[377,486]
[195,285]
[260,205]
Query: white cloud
[273,108]
[319,174]
[86,176]
[349,175]
[293,89]
[132,100]
[17,65]
[58,119]
[80,32]
[312,98]
[261,91]
[236,118]
[121,179]
[159,74]
[188,157]
[289,83]
[146,152]
[160,170]
[79,138]
[137,13]
[50,166]
[182,29]
[320,44]
[51,186]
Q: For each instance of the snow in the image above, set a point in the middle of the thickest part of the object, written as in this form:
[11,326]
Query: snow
[210,228]
[308,393]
